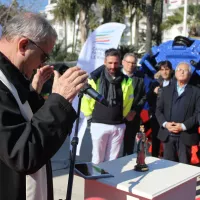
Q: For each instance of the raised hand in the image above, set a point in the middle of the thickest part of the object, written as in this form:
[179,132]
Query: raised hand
[42,75]
[70,83]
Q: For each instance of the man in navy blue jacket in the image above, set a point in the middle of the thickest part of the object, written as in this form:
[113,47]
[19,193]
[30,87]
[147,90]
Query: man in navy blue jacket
[177,113]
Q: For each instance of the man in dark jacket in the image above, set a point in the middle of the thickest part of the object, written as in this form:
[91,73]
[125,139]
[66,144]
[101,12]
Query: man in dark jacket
[166,77]
[177,113]
[129,63]
[31,131]
[107,126]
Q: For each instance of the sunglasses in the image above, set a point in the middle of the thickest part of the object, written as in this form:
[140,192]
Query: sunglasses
[45,56]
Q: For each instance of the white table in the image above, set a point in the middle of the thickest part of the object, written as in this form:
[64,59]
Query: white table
[165,180]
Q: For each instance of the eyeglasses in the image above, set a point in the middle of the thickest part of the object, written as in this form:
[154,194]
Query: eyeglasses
[182,70]
[45,56]
[132,63]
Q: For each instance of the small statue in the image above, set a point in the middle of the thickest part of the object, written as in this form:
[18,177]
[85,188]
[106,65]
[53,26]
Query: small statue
[141,151]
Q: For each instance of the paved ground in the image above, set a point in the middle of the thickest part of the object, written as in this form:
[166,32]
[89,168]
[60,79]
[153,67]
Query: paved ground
[60,165]
[60,186]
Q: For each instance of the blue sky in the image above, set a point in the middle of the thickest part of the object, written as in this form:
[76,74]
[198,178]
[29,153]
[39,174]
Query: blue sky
[32,5]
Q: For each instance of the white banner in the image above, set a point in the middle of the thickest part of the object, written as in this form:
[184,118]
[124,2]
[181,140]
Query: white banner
[104,37]
[174,4]
[92,56]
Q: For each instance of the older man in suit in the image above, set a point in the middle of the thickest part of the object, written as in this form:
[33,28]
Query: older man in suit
[176,112]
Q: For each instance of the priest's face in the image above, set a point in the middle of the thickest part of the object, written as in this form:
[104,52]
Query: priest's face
[112,64]
[31,55]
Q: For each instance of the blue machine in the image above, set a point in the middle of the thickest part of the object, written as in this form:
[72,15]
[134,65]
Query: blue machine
[181,49]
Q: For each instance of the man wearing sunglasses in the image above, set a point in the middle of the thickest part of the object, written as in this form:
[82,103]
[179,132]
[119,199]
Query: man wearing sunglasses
[31,130]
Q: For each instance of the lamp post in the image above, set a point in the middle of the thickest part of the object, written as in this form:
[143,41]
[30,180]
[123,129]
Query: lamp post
[185,18]
[149,12]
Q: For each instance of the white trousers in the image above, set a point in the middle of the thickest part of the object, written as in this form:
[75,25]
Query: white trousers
[106,141]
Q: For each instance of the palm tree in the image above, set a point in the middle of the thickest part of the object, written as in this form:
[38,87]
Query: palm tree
[58,54]
[112,10]
[73,12]
[84,7]
[193,19]
[157,20]
[94,20]
[135,13]
[61,13]
[107,10]
[118,12]
[176,18]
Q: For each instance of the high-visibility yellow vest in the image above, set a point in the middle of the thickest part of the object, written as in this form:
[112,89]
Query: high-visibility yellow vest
[88,103]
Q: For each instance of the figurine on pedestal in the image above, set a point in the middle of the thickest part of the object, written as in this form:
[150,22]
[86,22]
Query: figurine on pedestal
[141,151]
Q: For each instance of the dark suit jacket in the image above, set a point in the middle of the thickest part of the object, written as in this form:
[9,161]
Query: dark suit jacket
[190,112]
[152,96]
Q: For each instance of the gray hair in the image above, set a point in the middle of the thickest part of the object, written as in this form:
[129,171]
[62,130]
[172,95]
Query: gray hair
[184,63]
[30,25]
[130,54]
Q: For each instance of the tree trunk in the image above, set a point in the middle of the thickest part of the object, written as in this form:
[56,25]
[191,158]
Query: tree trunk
[107,15]
[77,31]
[83,26]
[159,31]
[136,39]
[131,33]
[65,24]
[131,25]
[149,12]
[74,34]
